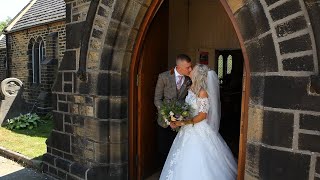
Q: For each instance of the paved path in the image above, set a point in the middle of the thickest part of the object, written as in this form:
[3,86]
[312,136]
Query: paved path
[10,170]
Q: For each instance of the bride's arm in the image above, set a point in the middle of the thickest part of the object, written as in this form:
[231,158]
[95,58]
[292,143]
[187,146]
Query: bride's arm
[201,115]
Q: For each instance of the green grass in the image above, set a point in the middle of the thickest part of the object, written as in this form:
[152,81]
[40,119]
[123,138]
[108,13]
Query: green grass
[30,143]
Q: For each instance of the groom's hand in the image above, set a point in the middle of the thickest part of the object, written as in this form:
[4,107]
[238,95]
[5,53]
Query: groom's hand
[172,125]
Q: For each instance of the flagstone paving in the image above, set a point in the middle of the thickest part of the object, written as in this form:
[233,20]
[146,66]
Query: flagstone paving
[10,170]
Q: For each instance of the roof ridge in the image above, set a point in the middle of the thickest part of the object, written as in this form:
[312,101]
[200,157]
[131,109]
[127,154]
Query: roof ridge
[19,15]
[40,12]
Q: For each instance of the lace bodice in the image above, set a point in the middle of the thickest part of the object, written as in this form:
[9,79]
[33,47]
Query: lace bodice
[197,104]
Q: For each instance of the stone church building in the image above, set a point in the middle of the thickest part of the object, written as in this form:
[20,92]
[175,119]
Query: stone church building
[34,45]
[265,53]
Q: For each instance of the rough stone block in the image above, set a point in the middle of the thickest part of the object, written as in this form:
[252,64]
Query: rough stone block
[252,159]
[118,87]
[78,169]
[48,159]
[262,55]
[291,26]
[60,141]
[68,76]
[68,12]
[313,9]
[112,108]
[269,2]
[112,153]
[310,122]
[119,9]
[255,122]
[62,97]
[97,34]
[304,63]
[53,171]
[72,32]
[64,107]
[69,61]
[78,121]
[57,87]
[297,44]
[257,90]
[68,128]
[58,121]
[278,129]
[103,12]
[67,88]
[285,10]
[108,3]
[79,99]
[309,142]
[62,175]
[67,118]
[57,153]
[252,20]
[63,164]
[280,165]
[278,93]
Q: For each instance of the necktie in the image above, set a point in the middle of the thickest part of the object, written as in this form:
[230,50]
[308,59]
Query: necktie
[179,83]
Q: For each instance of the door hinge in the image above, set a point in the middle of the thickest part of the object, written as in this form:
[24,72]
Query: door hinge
[137,160]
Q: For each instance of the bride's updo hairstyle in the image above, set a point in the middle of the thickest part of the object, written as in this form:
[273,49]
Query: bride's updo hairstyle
[199,78]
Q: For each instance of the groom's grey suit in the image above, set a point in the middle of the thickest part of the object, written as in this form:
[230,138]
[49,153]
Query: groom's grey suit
[166,90]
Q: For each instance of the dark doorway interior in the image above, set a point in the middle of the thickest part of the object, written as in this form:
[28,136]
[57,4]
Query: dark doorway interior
[230,71]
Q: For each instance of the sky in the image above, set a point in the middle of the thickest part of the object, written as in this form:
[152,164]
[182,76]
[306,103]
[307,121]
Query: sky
[11,8]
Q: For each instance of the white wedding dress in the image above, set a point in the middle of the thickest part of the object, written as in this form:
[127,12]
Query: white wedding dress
[199,152]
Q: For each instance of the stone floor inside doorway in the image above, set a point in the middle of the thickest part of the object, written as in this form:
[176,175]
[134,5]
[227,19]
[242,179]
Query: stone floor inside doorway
[155,176]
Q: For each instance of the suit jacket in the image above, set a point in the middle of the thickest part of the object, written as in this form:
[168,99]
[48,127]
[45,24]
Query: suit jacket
[166,90]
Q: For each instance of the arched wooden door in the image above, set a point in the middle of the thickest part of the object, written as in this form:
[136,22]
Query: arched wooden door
[153,60]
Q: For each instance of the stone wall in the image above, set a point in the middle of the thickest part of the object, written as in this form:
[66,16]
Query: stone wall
[283,126]
[20,62]
[90,137]
[3,59]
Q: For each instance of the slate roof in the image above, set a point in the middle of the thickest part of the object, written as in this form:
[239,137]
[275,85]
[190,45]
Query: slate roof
[2,41]
[41,12]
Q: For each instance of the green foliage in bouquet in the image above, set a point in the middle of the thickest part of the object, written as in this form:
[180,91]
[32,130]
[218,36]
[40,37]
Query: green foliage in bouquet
[174,110]
[26,121]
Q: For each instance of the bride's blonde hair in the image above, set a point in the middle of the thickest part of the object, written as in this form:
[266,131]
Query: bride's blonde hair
[199,78]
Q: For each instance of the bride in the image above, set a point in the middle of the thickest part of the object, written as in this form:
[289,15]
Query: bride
[198,151]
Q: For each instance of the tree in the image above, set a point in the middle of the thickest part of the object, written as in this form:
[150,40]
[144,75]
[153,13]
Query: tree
[4,24]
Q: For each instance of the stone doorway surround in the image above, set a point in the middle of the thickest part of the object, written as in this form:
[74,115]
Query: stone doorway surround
[92,99]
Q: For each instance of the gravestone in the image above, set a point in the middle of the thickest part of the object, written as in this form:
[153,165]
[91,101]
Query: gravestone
[12,105]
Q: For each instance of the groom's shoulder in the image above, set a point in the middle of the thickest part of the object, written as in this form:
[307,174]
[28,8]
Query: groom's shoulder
[165,74]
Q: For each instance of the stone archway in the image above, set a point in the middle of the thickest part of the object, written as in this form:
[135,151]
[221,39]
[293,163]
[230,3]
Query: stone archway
[150,14]
[90,139]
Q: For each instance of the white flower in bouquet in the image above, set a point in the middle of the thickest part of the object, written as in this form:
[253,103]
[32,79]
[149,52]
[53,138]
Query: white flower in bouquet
[166,121]
[180,118]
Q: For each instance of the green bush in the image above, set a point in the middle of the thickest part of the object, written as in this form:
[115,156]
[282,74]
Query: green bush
[47,117]
[26,121]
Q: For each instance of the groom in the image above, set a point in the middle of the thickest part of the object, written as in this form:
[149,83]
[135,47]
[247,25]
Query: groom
[171,85]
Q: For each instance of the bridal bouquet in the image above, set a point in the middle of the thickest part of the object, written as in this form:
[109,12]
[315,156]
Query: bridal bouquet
[174,111]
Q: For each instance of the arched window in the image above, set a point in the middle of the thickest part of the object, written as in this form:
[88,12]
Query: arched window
[220,67]
[38,54]
[229,64]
